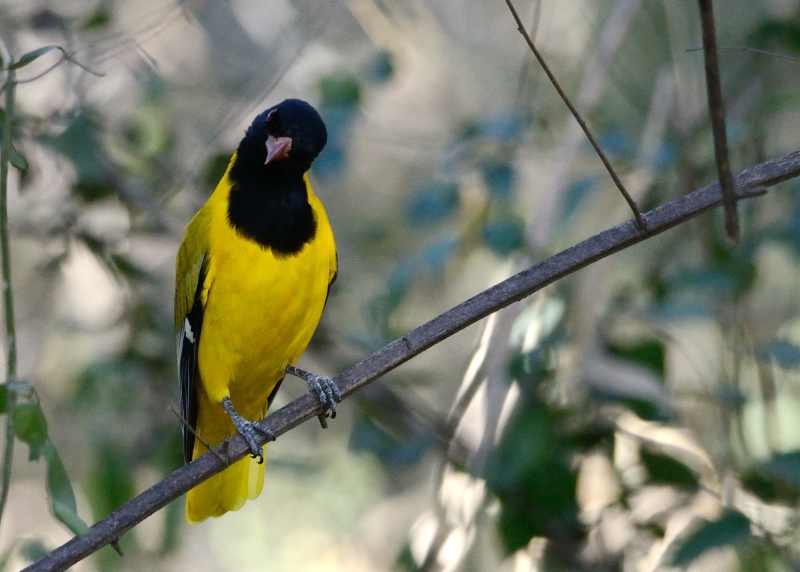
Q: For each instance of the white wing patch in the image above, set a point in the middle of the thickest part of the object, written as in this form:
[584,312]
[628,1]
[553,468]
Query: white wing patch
[187,330]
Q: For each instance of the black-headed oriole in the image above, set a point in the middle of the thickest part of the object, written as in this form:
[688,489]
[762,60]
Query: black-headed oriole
[252,277]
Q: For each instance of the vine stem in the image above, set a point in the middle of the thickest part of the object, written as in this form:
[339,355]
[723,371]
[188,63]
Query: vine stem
[8,294]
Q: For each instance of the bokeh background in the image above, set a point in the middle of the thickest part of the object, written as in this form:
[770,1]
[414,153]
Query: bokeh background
[640,415]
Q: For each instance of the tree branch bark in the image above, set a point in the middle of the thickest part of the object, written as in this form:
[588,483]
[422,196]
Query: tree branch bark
[749,182]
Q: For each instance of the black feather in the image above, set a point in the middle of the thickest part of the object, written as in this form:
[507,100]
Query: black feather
[330,284]
[278,217]
[189,366]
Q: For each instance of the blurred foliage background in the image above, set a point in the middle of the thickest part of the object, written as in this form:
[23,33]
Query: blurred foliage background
[640,415]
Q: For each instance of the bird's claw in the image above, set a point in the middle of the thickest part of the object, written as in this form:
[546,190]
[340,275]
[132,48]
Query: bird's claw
[327,393]
[248,429]
[323,388]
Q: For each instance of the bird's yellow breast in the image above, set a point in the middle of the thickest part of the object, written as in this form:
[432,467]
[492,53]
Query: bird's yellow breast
[261,309]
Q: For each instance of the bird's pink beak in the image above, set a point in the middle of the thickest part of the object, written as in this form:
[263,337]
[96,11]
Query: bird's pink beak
[277,148]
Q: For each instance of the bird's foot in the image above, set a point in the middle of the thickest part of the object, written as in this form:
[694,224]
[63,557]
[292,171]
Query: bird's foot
[248,430]
[323,388]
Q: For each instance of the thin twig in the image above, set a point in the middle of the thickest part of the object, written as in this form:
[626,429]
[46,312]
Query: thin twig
[188,427]
[716,109]
[758,51]
[524,72]
[64,57]
[8,295]
[675,212]
[637,215]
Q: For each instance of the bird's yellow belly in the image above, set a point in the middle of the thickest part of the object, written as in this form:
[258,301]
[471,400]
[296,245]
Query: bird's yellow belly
[260,317]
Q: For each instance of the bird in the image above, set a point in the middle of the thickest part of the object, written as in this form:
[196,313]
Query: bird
[253,274]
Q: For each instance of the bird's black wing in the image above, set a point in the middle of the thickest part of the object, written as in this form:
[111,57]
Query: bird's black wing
[330,283]
[189,346]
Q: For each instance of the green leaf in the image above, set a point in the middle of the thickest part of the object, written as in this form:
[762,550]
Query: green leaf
[369,436]
[33,550]
[173,524]
[768,488]
[502,127]
[100,18]
[127,268]
[30,427]
[146,133]
[499,178]
[530,475]
[648,353]
[782,352]
[3,398]
[81,144]
[732,528]
[668,471]
[18,160]
[575,195]
[591,436]
[504,236]
[786,467]
[761,557]
[405,561]
[531,367]
[111,483]
[777,32]
[60,493]
[737,266]
[340,90]
[433,203]
[380,68]
[777,479]
[33,55]
[90,190]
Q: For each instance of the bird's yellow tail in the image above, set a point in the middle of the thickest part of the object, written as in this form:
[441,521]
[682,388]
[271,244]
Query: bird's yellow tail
[224,491]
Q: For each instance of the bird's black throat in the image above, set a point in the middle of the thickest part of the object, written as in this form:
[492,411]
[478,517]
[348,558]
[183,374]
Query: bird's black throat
[270,206]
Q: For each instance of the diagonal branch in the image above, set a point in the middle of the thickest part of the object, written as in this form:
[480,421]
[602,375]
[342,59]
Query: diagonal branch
[716,109]
[637,215]
[750,182]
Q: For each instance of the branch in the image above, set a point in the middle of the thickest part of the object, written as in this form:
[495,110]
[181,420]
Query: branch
[8,294]
[65,57]
[637,215]
[716,109]
[750,182]
[33,55]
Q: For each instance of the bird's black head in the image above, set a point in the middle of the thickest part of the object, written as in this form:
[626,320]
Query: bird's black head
[285,138]
[268,200]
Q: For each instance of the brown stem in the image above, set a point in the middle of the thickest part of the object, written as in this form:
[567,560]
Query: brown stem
[7,293]
[716,109]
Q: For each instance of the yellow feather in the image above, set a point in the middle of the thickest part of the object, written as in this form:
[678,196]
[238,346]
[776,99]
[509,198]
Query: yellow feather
[260,311]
